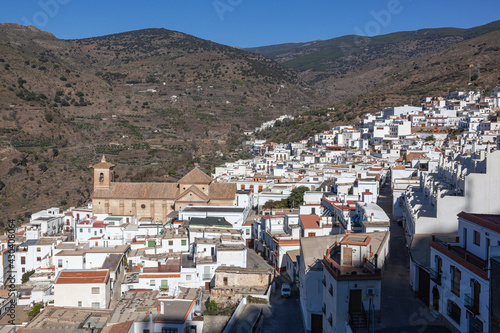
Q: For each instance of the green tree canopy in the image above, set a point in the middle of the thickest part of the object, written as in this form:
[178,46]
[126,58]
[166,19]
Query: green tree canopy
[297,196]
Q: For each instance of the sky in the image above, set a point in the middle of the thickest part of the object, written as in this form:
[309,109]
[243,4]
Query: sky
[247,23]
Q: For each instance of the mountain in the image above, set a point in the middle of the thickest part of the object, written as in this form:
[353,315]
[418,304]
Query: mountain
[348,66]
[154,101]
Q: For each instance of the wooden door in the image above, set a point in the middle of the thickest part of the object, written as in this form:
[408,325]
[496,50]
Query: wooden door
[355,300]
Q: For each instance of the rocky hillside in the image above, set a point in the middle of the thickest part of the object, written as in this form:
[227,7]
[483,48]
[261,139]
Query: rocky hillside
[349,66]
[154,101]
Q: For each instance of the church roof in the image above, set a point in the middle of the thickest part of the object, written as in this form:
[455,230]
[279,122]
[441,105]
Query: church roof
[103,164]
[195,176]
[223,191]
[196,191]
[217,191]
[139,191]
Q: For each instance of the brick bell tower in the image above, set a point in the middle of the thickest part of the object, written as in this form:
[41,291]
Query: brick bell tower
[103,174]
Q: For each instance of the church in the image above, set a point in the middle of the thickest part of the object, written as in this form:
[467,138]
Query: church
[156,200]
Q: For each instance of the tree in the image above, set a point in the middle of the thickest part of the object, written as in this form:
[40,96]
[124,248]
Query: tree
[430,138]
[26,276]
[297,196]
[36,309]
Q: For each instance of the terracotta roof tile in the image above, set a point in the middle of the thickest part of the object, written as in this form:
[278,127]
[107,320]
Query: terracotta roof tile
[195,176]
[222,191]
[139,191]
[83,276]
[310,221]
[118,328]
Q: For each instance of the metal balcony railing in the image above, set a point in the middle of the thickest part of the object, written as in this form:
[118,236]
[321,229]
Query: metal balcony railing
[471,303]
[435,276]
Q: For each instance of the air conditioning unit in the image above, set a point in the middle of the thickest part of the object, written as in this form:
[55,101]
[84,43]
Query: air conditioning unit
[370,291]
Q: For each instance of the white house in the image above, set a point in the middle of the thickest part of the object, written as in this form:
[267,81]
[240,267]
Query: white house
[83,288]
[460,278]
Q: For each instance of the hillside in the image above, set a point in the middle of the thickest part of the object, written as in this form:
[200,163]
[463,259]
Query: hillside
[349,66]
[154,101]
[433,74]
[157,101]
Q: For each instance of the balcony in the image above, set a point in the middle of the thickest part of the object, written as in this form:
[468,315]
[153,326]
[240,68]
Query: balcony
[461,256]
[435,276]
[472,304]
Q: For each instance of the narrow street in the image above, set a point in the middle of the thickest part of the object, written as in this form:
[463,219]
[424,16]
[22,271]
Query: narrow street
[283,314]
[400,311]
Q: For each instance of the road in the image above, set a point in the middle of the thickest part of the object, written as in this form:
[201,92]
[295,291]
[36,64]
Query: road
[283,314]
[400,310]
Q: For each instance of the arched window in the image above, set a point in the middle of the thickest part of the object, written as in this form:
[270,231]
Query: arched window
[101,177]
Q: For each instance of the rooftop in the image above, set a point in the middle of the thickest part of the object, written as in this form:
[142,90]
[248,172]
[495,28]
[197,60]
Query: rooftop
[209,221]
[221,209]
[82,276]
[489,221]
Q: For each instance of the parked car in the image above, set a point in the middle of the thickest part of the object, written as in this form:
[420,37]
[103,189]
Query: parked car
[286,290]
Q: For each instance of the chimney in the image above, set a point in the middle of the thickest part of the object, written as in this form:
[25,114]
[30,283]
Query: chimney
[176,231]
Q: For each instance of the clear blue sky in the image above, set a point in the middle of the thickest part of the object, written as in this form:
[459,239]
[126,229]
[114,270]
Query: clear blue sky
[247,23]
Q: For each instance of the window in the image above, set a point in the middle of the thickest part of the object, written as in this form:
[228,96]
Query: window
[88,231]
[170,242]
[455,281]
[79,303]
[247,232]
[188,277]
[100,231]
[23,260]
[23,270]
[454,311]
[311,234]
[152,283]
[95,290]
[225,281]
[183,242]
[95,232]
[96,305]
[477,238]
[38,249]
[59,263]
[81,230]
[101,177]
[38,259]
[164,284]
[169,330]
[145,331]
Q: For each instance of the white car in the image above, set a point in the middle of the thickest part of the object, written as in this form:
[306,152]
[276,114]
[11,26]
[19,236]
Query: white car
[286,290]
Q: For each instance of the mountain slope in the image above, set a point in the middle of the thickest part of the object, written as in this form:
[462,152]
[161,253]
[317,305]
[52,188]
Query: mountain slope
[351,65]
[154,101]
